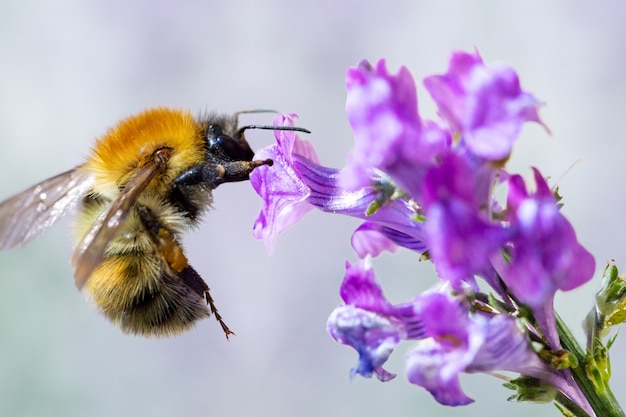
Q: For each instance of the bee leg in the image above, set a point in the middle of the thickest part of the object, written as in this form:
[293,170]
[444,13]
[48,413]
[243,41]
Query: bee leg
[201,174]
[219,172]
[173,254]
[195,282]
[240,170]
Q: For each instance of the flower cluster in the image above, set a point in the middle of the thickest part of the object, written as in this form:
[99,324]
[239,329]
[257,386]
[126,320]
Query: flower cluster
[428,186]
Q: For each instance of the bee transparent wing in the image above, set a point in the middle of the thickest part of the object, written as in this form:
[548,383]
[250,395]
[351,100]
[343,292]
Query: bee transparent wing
[89,252]
[28,214]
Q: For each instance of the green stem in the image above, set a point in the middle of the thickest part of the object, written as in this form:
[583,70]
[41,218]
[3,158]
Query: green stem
[604,403]
[570,405]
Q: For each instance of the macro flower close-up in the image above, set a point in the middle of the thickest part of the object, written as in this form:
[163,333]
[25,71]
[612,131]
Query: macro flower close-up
[431,186]
[335,208]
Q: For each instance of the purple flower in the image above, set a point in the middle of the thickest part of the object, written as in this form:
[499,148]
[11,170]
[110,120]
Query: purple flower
[485,104]
[436,361]
[389,134]
[280,186]
[370,239]
[369,323]
[296,183]
[460,341]
[373,336]
[451,339]
[415,187]
[459,234]
[545,255]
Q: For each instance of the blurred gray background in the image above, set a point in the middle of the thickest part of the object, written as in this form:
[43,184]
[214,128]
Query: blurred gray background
[70,69]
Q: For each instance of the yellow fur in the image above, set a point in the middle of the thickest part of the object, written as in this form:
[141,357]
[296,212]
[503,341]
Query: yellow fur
[132,268]
[126,147]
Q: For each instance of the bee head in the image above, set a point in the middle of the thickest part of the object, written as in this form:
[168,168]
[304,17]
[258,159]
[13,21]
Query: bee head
[227,146]
[229,157]
[226,141]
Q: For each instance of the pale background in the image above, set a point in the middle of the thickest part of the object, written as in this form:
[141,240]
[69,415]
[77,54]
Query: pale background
[70,69]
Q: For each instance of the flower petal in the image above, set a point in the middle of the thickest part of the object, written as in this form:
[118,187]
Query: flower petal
[389,134]
[396,217]
[436,361]
[360,289]
[545,253]
[484,103]
[373,337]
[370,239]
[284,196]
[460,240]
[458,340]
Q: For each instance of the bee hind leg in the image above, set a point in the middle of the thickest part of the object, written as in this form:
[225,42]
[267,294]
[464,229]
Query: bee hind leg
[191,277]
[168,247]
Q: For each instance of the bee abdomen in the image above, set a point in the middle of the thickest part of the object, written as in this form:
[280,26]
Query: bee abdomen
[141,294]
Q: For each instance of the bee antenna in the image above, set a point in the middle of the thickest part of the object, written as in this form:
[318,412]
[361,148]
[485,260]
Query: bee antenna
[265,127]
[271,127]
[255,111]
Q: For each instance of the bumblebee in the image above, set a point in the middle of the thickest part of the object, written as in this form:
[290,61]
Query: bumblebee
[148,180]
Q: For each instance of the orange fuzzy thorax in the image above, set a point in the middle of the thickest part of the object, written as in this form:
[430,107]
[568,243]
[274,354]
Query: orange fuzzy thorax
[125,148]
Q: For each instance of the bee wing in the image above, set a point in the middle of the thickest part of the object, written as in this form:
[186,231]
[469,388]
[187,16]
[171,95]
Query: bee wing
[89,252]
[28,214]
